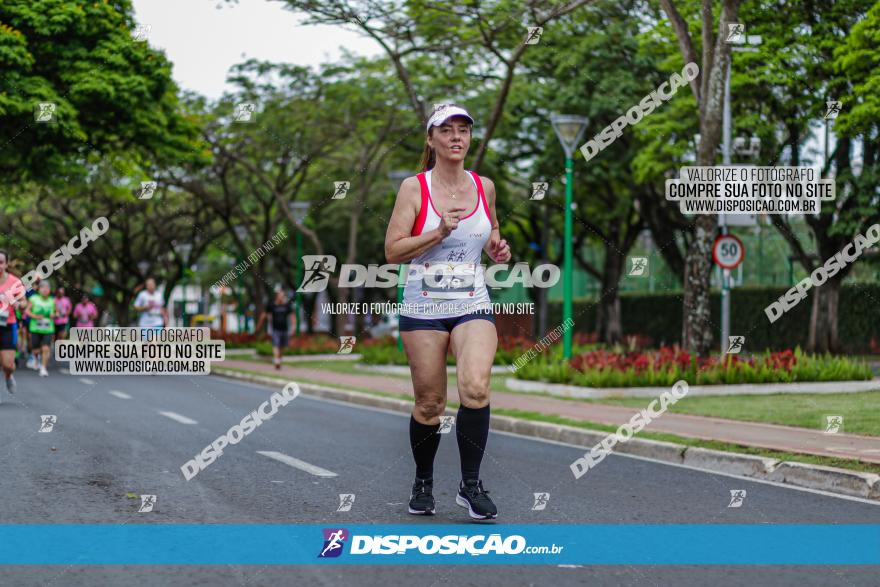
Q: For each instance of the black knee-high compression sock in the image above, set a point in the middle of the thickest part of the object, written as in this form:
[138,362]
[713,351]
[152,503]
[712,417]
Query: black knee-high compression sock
[472,432]
[424,440]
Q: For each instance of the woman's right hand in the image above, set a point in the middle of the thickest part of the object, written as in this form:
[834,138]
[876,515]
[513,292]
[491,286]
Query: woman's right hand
[449,220]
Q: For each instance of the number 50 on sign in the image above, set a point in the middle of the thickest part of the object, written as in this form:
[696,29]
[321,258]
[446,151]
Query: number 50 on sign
[728,251]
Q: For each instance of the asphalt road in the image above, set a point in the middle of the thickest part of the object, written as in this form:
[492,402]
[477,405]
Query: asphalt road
[119,435]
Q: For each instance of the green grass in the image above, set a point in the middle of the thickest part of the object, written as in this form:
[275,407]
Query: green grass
[710,444]
[804,410]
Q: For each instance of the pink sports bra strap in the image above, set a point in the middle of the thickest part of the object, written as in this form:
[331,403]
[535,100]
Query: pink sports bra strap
[481,193]
[423,210]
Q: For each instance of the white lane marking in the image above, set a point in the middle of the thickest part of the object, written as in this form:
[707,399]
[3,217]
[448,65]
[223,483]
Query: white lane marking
[86,381]
[178,418]
[296,463]
[119,394]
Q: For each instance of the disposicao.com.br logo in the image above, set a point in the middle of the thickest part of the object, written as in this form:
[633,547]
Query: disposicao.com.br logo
[479,544]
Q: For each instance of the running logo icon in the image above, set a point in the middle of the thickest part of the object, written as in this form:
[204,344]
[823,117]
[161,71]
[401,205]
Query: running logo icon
[319,268]
[534,35]
[737,496]
[639,266]
[147,189]
[539,190]
[147,504]
[735,344]
[44,112]
[346,500]
[141,32]
[446,423]
[334,541]
[736,33]
[244,112]
[47,423]
[833,424]
[340,188]
[541,500]
[833,109]
[346,345]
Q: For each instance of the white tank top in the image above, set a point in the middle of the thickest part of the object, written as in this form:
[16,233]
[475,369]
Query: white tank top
[447,280]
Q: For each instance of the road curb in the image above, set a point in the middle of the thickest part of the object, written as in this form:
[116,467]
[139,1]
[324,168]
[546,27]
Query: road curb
[579,392]
[831,479]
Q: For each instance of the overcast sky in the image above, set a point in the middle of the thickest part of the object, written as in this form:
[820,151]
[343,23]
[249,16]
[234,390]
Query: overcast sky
[204,41]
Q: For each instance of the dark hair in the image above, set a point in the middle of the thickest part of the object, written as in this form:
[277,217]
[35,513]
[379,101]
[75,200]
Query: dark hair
[5,255]
[429,157]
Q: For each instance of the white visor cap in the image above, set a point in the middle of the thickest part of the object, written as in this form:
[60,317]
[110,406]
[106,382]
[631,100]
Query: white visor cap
[444,113]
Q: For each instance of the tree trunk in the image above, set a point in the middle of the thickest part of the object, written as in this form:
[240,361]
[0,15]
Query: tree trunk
[823,318]
[609,325]
[696,324]
[696,327]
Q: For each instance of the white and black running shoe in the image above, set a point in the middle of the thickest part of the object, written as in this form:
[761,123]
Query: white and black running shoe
[421,502]
[472,496]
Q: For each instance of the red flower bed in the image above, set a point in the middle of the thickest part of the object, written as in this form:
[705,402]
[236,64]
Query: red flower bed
[238,337]
[665,358]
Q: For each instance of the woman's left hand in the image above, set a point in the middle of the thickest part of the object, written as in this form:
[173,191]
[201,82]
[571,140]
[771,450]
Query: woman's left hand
[497,248]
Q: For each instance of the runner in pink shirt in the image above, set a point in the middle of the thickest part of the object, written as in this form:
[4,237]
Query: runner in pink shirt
[63,307]
[10,291]
[85,313]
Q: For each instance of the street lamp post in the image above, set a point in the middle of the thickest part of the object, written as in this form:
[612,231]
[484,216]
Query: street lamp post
[241,233]
[184,249]
[298,210]
[569,129]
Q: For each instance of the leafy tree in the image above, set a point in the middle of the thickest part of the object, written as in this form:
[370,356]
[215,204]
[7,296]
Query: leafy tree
[110,91]
[813,53]
[458,43]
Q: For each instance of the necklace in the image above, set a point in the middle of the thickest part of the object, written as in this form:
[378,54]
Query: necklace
[452,194]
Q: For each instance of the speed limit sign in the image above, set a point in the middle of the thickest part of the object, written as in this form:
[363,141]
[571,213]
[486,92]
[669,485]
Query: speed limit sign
[728,251]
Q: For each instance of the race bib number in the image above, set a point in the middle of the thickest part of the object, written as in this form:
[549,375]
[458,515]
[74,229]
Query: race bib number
[449,281]
[44,324]
[4,318]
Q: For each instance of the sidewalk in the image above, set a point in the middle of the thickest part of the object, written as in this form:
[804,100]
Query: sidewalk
[768,436]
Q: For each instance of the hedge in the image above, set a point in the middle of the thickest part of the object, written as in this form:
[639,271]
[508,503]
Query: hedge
[659,316]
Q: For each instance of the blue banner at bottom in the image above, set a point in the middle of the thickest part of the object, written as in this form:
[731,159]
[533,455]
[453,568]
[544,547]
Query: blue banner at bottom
[605,544]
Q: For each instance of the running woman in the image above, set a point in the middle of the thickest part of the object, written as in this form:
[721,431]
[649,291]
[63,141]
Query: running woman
[445,217]
[24,334]
[63,306]
[41,311]
[85,312]
[280,311]
[10,286]
[151,306]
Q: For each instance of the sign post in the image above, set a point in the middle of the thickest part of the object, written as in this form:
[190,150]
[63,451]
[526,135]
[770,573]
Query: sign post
[727,252]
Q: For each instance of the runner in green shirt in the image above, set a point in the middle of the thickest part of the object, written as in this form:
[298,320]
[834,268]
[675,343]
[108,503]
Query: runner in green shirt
[41,310]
